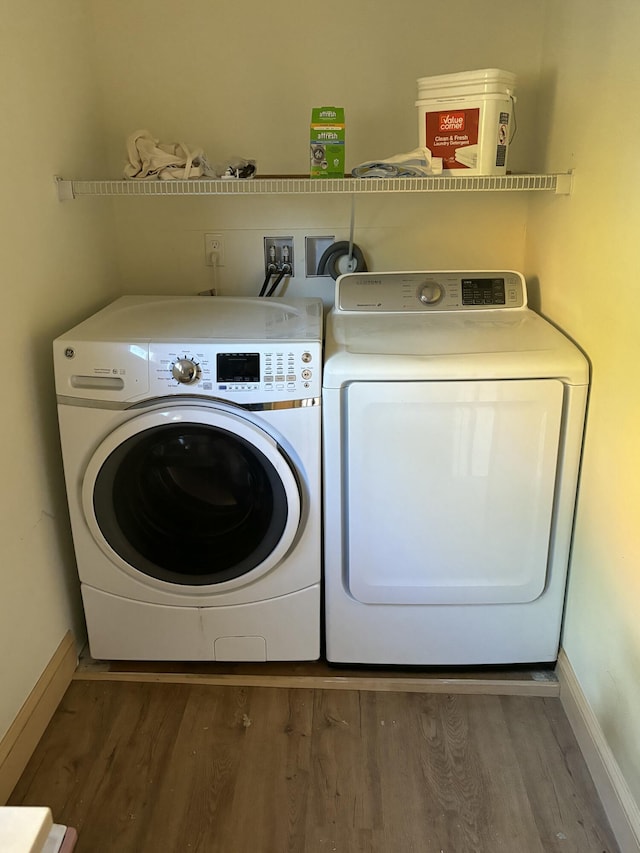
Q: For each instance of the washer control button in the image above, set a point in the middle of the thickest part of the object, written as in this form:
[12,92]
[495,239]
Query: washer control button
[306,357]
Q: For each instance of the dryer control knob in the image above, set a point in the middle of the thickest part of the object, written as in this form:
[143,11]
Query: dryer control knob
[185,371]
[430,293]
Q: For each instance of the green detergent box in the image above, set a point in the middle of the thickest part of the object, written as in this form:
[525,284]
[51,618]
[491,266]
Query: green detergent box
[327,142]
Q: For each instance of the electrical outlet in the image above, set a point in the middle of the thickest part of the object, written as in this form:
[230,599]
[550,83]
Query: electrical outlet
[214,249]
[278,251]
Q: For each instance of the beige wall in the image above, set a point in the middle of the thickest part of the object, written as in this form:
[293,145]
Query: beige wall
[584,251]
[237,81]
[242,81]
[55,267]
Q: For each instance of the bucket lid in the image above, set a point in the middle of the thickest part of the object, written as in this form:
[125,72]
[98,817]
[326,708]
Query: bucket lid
[485,80]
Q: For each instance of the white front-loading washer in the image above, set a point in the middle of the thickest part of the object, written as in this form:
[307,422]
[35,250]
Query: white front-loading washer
[453,418]
[190,434]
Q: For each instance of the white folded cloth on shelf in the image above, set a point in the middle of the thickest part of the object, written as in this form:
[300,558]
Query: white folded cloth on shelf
[418,163]
[149,159]
[467,155]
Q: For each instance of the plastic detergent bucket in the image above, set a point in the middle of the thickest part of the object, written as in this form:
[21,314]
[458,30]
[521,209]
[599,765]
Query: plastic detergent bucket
[466,119]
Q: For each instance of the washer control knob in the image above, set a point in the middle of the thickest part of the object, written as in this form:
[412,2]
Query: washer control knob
[430,293]
[185,371]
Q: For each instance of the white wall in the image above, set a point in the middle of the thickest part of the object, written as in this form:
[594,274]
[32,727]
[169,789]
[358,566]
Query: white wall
[584,251]
[55,268]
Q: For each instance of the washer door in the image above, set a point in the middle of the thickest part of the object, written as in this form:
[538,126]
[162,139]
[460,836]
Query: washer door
[192,496]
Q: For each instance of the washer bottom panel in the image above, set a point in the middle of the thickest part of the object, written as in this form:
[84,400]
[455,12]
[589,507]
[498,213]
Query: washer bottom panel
[285,628]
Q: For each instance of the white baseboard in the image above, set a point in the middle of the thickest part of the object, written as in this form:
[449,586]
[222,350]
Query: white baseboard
[621,808]
[19,743]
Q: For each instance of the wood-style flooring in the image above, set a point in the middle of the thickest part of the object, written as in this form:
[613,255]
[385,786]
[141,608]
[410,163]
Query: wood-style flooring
[160,767]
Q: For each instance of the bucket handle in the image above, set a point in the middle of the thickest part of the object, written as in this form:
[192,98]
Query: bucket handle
[514,127]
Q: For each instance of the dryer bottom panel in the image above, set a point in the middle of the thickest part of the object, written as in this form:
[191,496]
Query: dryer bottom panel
[285,628]
[437,635]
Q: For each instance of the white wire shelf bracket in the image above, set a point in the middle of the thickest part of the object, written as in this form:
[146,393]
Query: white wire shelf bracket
[558,183]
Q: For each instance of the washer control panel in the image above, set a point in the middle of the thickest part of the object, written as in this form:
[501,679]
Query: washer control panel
[240,372]
[441,290]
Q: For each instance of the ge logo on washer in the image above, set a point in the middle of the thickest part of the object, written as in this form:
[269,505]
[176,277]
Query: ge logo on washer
[69,352]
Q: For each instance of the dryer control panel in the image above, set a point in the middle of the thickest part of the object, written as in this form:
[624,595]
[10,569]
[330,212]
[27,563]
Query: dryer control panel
[429,291]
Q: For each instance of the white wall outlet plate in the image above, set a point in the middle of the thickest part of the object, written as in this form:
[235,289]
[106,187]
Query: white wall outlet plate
[214,250]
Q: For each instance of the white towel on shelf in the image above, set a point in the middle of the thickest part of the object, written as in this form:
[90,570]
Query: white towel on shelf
[149,159]
[418,163]
[467,155]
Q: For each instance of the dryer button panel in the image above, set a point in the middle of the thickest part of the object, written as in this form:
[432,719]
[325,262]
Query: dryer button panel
[429,291]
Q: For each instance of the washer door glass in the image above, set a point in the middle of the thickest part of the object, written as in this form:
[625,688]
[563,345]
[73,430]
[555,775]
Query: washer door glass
[192,503]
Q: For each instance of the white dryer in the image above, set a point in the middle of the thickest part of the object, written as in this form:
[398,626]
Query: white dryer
[190,432]
[453,418]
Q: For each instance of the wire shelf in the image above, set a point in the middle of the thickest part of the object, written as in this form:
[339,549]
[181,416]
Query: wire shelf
[299,185]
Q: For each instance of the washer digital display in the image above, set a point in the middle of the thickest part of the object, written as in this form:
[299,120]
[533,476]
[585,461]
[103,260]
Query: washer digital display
[238,367]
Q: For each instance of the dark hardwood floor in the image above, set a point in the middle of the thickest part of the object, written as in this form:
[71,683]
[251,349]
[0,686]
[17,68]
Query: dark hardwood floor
[155,767]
